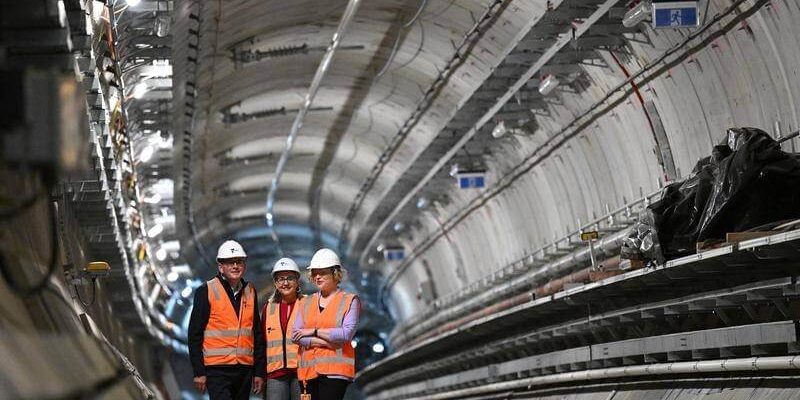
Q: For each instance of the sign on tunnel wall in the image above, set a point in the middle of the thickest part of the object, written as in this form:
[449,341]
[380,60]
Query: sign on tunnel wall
[675,14]
[471,180]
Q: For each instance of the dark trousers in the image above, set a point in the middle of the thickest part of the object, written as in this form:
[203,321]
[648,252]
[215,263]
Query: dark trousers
[324,388]
[229,383]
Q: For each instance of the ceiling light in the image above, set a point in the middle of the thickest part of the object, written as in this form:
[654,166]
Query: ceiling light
[398,226]
[378,348]
[422,203]
[154,199]
[354,343]
[146,154]
[139,90]
[172,276]
[637,14]
[186,292]
[547,84]
[454,170]
[499,129]
[155,230]
[161,254]
[133,3]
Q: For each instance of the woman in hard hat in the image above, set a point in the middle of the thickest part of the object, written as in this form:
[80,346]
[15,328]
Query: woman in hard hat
[279,315]
[324,329]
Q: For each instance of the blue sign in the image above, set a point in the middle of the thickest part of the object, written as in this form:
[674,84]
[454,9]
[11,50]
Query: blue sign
[394,254]
[468,180]
[675,14]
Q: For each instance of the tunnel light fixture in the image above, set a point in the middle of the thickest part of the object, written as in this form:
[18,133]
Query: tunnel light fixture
[378,348]
[186,292]
[270,221]
[146,154]
[133,3]
[637,14]
[172,276]
[422,203]
[398,226]
[155,230]
[139,90]
[547,84]
[154,199]
[161,254]
[454,170]
[499,129]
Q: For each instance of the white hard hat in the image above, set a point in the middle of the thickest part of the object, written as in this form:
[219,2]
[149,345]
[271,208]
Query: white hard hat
[285,264]
[324,258]
[230,249]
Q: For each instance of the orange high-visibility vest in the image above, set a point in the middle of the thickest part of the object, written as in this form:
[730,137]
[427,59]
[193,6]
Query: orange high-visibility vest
[281,351]
[317,361]
[228,339]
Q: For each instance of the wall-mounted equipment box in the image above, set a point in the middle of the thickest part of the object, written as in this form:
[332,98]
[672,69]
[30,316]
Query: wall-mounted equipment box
[97,269]
[675,14]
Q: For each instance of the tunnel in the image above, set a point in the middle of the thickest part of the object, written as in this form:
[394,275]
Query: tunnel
[530,199]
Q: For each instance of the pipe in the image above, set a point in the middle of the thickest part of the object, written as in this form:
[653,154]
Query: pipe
[749,364]
[322,70]
[608,245]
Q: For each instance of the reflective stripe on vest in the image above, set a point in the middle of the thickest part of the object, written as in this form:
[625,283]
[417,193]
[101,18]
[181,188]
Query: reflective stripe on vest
[317,361]
[280,345]
[228,338]
[227,351]
[228,332]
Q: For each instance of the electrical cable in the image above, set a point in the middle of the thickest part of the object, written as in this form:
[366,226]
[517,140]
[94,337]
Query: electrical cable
[418,13]
[94,294]
[408,24]
[20,289]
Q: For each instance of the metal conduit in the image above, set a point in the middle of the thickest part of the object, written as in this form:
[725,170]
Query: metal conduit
[607,246]
[322,70]
[663,369]
[521,82]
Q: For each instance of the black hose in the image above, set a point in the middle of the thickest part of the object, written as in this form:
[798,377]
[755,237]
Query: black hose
[94,294]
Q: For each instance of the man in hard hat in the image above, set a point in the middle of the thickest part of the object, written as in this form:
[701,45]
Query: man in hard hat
[324,329]
[226,344]
[279,315]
